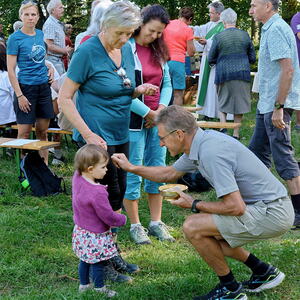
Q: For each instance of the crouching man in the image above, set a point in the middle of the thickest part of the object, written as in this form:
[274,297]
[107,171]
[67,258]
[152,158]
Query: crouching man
[253,205]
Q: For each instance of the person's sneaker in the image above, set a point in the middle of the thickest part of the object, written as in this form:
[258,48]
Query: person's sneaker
[221,292]
[104,290]
[84,287]
[296,224]
[161,232]
[113,275]
[139,235]
[123,266]
[258,283]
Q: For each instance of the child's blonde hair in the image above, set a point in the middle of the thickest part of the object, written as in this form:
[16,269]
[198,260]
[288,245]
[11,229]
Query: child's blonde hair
[89,155]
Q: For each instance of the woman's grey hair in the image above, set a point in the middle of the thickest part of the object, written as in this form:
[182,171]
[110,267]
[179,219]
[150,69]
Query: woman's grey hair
[228,16]
[275,3]
[176,117]
[52,4]
[121,14]
[217,5]
[17,25]
[94,27]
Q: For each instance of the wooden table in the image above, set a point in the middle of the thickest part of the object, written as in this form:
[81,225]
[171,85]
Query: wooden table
[34,145]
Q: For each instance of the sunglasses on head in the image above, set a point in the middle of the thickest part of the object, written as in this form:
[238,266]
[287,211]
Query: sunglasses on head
[29,1]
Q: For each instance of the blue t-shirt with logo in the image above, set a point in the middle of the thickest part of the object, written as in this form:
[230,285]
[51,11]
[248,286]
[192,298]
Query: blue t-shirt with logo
[30,51]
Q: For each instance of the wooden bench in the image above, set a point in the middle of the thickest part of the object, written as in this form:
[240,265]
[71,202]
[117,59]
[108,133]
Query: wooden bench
[31,145]
[218,125]
[51,131]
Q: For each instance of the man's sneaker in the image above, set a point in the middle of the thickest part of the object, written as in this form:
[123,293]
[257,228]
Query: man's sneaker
[84,287]
[139,235]
[106,291]
[123,266]
[296,224]
[258,283]
[113,275]
[221,292]
[161,232]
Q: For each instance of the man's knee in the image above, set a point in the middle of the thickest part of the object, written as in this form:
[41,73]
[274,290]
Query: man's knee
[192,227]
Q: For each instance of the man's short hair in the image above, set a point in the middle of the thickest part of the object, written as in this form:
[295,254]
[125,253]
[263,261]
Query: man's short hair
[17,25]
[275,3]
[176,117]
[217,5]
[52,4]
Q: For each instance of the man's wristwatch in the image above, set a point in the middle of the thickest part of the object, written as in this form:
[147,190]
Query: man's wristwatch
[278,105]
[194,208]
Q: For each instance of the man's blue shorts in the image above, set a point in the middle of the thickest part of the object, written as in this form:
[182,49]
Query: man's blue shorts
[177,73]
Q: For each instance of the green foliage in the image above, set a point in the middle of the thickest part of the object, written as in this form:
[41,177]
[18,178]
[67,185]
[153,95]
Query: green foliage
[77,11]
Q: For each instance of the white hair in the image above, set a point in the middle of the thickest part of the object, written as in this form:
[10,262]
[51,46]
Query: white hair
[94,27]
[121,14]
[52,4]
[228,16]
[217,5]
[17,25]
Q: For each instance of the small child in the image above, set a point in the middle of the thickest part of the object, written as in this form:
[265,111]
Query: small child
[93,216]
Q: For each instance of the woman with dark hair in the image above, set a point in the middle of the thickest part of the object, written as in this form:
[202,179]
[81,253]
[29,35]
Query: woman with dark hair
[7,114]
[150,55]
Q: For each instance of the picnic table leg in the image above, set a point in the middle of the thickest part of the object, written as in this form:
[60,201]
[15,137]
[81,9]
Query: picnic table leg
[17,156]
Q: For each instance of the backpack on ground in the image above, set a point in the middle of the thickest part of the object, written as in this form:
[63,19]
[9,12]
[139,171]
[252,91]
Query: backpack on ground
[41,179]
[195,182]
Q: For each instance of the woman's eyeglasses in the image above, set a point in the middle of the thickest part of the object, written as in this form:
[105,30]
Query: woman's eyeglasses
[126,81]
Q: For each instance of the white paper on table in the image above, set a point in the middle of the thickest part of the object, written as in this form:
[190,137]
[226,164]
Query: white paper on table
[19,142]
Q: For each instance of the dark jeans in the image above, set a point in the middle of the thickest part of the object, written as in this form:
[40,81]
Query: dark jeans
[97,273]
[115,178]
[267,141]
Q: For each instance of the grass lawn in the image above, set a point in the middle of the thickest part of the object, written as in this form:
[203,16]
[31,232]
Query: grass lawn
[37,261]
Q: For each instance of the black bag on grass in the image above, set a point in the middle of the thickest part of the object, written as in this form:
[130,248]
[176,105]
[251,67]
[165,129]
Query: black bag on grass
[41,179]
[195,182]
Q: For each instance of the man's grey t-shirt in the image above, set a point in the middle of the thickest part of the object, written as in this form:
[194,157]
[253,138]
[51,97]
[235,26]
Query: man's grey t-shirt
[229,166]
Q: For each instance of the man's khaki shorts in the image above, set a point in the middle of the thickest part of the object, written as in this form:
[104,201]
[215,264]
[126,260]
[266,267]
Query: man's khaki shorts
[259,222]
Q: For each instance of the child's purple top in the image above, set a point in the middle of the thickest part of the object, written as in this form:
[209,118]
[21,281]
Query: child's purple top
[91,208]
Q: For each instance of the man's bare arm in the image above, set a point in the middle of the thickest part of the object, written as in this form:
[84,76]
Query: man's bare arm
[157,174]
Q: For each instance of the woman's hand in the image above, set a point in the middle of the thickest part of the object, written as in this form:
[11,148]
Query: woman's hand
[50,73]
[93,138]
[24,104]
[145,89]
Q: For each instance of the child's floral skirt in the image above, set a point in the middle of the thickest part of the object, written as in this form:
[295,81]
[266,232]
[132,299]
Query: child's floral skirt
[92,247]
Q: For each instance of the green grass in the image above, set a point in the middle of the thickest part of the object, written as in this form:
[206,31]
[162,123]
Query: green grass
[37,261]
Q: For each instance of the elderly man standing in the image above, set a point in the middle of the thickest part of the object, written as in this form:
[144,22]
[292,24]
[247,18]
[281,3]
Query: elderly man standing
[207,95]
[279,94]
[253,205]
[55,36]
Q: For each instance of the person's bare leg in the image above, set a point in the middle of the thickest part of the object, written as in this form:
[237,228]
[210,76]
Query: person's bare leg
[294,185]
[24,131]
[222,116]
[132,210]
[155,206]
[203,234]
[237,119]
[41,126]
[178,97]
